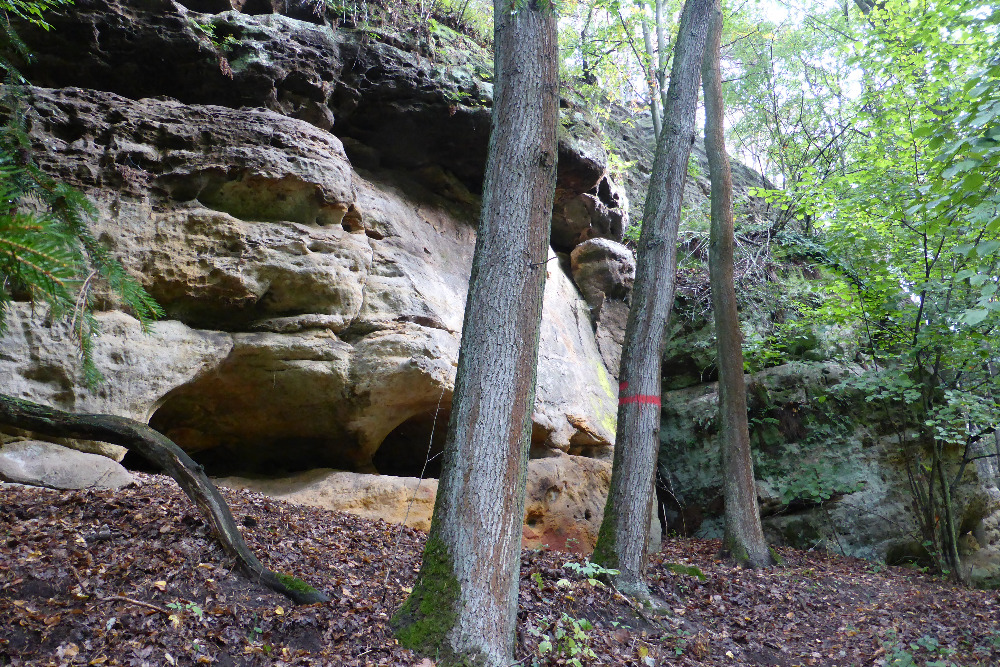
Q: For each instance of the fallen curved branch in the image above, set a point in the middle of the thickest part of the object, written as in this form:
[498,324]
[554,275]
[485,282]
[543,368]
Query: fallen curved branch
[161,451]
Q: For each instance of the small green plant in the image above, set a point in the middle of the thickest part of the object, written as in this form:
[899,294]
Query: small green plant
[566,638]
[457,96]
[690,570]
[680,641]
[255,631]
[227,43]
[187,607]
[900,655]
[590,571]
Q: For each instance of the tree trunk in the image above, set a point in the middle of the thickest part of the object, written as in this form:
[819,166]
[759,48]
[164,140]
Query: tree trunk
[744,537]
[661,51]
[161,451]
[463,606]
[651,76]
[622,540]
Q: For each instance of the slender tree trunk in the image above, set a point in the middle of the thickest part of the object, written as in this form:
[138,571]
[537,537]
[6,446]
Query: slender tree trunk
[744,537]
[622,540]
[991,368]
[651,77]
[171,459]
[949,529]
[585,65]
[661,52]
[463,606]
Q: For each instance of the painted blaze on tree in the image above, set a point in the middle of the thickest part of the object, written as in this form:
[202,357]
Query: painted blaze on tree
[622,540]
[463,606]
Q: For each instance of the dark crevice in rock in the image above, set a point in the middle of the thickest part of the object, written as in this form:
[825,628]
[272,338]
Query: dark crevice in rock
[415,446]
[255,7]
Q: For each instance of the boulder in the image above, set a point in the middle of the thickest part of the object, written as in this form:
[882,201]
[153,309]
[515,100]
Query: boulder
[599,213]
[564,501]
[402,500]
[604,271]
[37,463]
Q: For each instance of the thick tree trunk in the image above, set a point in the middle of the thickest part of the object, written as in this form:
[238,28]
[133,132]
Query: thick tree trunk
[161,451]
[463,606]
[744,537]
[622,541]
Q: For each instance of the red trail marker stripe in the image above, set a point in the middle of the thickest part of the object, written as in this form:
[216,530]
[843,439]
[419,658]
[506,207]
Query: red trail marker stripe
[639,398]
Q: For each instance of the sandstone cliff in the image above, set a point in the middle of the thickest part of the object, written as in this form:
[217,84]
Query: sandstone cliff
[301,198]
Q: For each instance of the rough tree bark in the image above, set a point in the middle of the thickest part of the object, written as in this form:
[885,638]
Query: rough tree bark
[744,537]
[161,451]
[623,538]
[463,606]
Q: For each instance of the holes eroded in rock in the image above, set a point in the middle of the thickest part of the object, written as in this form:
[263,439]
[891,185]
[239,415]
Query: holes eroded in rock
[405,450]
[69,132]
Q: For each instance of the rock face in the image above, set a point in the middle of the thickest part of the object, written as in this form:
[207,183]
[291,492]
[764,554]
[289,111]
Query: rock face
[45,464]
[604,271]
[564,505]
[829,468]
[402,500]
[301,200]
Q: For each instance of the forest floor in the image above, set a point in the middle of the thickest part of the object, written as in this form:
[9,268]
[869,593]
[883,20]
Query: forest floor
[132,577]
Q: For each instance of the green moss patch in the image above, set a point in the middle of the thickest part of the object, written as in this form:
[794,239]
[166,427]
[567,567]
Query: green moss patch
[295,584]
[430,612]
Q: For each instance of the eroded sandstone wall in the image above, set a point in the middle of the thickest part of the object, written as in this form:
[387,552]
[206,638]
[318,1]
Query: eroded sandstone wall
[314,305]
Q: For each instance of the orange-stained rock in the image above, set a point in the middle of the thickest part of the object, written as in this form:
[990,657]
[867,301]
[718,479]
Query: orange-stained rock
[564,502]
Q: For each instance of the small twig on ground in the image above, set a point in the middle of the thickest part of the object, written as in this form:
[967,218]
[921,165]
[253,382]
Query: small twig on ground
[122,598]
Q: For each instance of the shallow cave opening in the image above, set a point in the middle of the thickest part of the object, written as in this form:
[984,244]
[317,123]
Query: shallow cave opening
[414,446]
[279,458]
[136,462]
[244,438]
